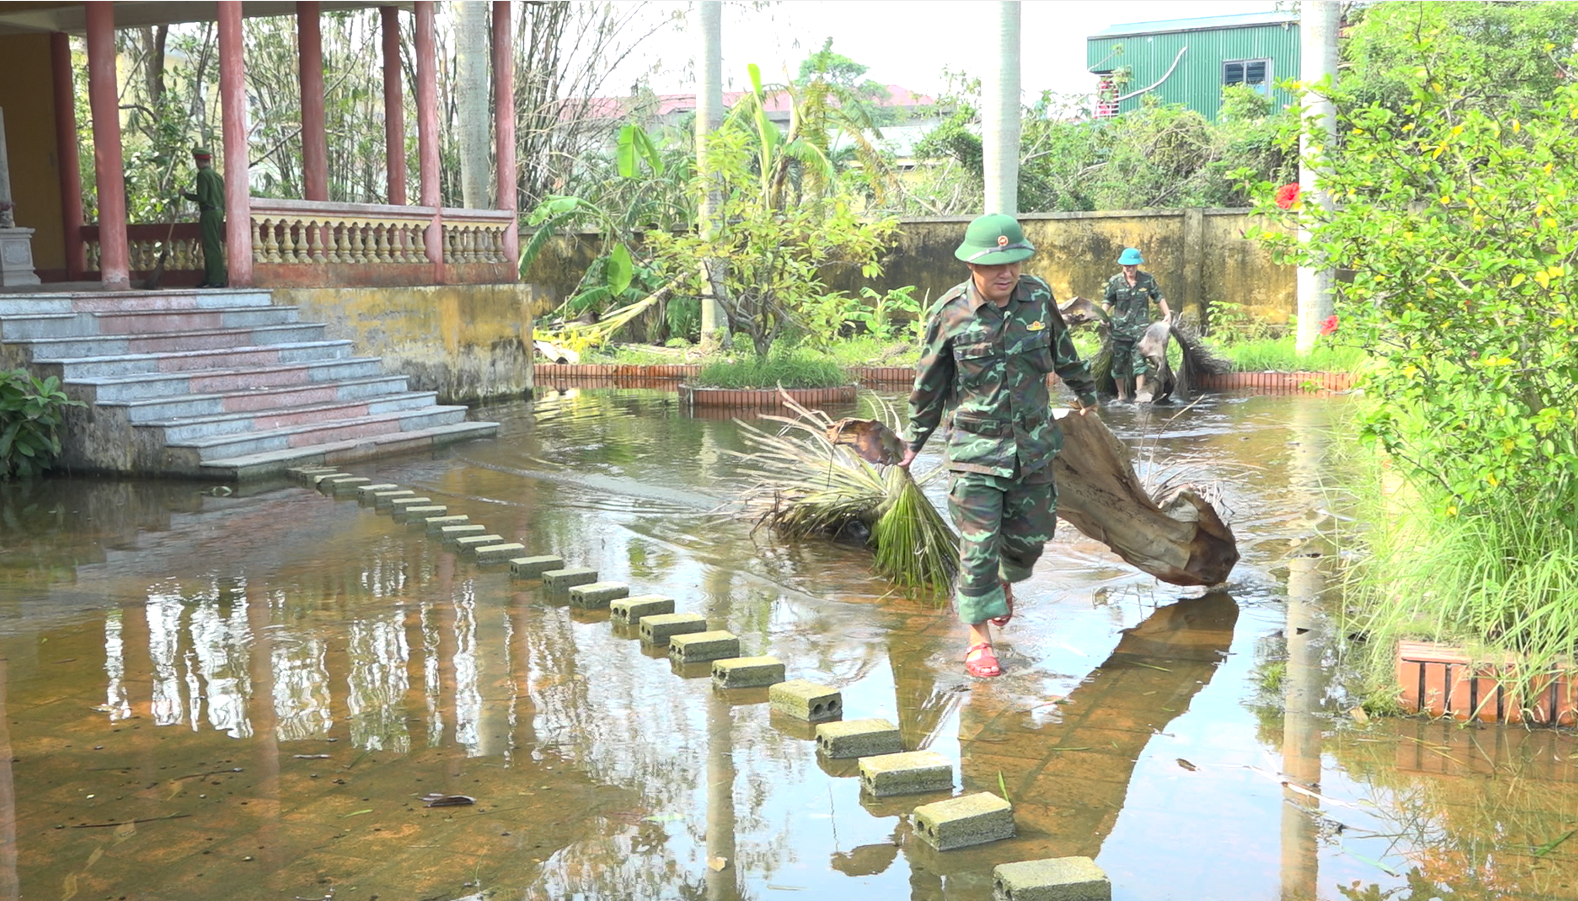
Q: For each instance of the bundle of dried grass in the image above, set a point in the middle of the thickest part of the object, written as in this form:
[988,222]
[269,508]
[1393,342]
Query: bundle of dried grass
[810,479]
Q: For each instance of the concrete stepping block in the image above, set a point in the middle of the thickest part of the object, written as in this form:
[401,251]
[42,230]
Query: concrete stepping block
[417,511]
[466,544]
[905,773]
[747,672]
[316,480]
[699,647]
[1051,879]
[409,499]
[630,610]
[448,534]
[311,474]
[364,493]
[499,553]
[806,700]
[567,578]
[435,523]
[385,500]
[597,595]
[534,567]
[964,821]
[660,628]
[341,486]
[858,738]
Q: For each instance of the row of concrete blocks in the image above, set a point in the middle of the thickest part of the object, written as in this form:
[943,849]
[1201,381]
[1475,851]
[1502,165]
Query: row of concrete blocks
[885,768]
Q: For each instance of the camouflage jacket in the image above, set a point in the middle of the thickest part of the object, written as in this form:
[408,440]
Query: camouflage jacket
[1131,305]
[986,366]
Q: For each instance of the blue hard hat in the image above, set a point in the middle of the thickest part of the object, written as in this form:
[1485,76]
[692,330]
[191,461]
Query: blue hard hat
[1130,257]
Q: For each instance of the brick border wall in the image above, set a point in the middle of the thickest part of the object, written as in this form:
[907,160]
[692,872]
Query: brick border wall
[692,396]
[1441,680]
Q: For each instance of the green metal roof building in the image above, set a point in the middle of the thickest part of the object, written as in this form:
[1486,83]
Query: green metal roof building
[1188,61]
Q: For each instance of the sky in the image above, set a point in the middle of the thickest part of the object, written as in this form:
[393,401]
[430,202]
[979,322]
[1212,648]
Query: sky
[904,42]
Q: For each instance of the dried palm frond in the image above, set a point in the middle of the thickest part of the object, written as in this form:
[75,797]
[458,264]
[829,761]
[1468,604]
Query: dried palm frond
[802,484]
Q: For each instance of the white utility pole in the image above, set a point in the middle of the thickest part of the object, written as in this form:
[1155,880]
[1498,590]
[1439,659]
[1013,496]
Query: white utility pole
[709,117]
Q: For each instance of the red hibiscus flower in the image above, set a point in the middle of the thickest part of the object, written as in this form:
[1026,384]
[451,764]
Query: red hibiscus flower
[1288,195]
[1329,326]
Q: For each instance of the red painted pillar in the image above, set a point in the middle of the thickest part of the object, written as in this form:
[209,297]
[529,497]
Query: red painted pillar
[66,153]
[104,100]
[314,135]
[394,105]
[233,107]
[504,123]
[427,132]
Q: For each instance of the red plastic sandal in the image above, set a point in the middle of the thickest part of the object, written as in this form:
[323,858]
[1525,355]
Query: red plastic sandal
[1008,593]
[980,662]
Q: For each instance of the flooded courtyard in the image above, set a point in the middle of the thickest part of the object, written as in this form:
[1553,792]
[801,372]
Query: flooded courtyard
[248,696]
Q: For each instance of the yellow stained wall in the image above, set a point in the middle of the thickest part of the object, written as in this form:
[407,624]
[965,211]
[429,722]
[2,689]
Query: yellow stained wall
[27,96]
[467,342]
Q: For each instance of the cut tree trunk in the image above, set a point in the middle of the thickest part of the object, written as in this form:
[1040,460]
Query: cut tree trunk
[1178,538]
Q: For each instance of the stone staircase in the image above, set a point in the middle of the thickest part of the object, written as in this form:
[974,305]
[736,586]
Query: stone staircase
[220,385]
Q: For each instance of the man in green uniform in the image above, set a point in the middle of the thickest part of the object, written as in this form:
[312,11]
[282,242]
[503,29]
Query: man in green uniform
[1128,301]
[990,344]
[210,199]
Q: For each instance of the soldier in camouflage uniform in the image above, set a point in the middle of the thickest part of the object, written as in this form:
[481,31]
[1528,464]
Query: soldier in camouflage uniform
[990,344]
[1128,300]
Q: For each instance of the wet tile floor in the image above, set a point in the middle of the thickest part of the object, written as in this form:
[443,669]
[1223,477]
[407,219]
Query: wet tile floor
[247,696]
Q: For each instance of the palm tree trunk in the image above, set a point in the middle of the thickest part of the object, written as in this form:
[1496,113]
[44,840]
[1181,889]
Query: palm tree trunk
[1318,24]
[1000,116]
[709,115]
[472,54]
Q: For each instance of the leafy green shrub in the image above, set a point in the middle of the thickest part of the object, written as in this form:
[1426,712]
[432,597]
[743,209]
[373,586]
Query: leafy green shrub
[30,415]
[790,368]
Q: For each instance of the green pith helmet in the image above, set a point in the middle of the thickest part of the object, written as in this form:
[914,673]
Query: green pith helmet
[994,239]
[1130,257]
[202,153]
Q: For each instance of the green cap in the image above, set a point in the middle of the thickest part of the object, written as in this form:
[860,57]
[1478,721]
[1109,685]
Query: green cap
[1130,257]
[994,239]
[202,151]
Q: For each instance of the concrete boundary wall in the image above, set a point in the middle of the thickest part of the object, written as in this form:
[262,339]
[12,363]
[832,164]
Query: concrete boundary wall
[1198,256]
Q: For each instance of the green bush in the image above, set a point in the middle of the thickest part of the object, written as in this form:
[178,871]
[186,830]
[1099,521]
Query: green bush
[30,415]
[789,368]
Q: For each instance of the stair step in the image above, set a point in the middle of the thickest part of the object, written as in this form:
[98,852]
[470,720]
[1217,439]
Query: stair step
[81,346]
[112,389]
[88,301]
[155,409]
[137,322]
[181,430]
[268,464]
[322,432]
[83,368]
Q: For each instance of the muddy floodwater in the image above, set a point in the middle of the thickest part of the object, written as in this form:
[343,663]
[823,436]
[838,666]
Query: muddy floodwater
[248,696]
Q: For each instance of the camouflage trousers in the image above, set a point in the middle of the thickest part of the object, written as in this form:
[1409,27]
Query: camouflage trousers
[1127,362]
[1003,525]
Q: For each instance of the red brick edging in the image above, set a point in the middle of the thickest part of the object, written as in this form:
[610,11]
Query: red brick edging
[1279,382]
[1451,684]
[691,396]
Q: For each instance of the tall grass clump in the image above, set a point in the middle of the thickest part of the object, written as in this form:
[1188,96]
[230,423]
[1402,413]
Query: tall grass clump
[790,368]
[1501,582]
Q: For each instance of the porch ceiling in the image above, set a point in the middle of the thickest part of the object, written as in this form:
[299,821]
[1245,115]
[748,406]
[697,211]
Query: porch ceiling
[33,18]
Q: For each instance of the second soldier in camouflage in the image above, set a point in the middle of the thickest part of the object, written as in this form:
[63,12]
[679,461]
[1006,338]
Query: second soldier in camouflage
[990,344]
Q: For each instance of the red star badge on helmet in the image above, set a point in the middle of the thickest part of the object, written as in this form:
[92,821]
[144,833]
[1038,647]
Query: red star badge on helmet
[1002,240]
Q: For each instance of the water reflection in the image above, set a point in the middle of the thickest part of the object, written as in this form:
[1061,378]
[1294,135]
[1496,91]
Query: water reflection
[278,676]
